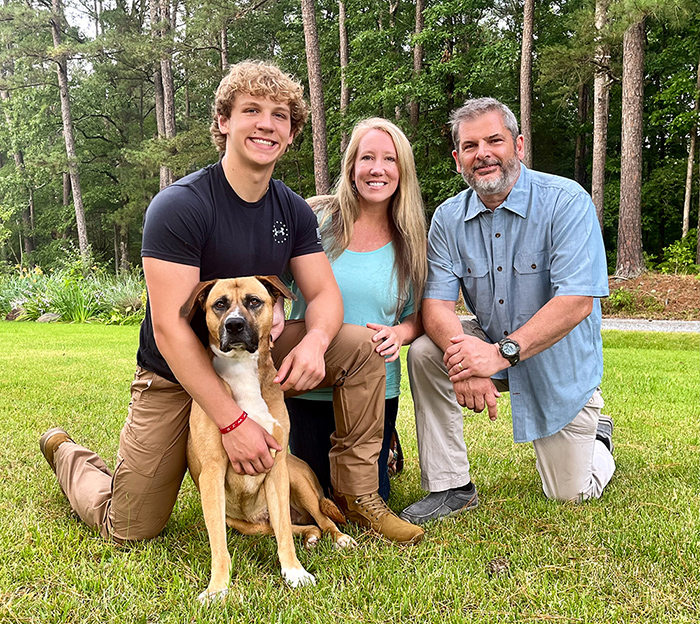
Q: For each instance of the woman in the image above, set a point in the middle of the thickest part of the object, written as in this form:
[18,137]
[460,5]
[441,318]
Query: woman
[373,231]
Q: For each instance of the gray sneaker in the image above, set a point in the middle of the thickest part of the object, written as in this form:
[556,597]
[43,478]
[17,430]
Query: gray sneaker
[439,505]
[605,431]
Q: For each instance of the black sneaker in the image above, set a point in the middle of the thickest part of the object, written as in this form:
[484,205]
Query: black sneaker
[605,431]
[439,505]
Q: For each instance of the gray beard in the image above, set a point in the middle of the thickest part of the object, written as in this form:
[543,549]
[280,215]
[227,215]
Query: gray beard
[510,169]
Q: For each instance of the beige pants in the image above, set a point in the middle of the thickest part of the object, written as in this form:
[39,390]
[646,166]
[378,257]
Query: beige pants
[135,501]
[572,464]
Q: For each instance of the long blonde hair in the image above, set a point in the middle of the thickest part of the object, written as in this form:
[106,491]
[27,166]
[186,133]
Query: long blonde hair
[338,213]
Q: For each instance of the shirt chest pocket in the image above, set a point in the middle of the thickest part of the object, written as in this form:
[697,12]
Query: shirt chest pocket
[532,286]
[474,274]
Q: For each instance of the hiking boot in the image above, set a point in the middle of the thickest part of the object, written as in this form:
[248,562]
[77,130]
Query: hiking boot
[439,505]
[605,431]
[50,441]
[371,512]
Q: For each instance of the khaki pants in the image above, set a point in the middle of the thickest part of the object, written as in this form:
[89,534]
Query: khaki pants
[136,500]
[572,464]
[357,374]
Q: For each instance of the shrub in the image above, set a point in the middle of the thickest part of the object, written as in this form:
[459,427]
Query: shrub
[76,294]
[679,257]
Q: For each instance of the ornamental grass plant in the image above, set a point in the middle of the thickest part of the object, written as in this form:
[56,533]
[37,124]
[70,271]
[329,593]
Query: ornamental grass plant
[632,556]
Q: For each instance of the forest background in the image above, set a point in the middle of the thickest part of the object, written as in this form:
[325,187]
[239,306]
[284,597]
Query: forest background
[104,102]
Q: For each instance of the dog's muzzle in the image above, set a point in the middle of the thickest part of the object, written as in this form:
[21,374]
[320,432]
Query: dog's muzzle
[237,333]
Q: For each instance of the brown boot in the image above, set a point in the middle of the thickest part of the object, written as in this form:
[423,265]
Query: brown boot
[50,441]
[370,511]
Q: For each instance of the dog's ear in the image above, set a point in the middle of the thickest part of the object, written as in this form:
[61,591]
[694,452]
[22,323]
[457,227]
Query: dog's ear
[199,296]
[275,287]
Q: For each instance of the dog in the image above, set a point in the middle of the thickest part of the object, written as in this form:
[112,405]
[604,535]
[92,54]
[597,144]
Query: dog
[239,320]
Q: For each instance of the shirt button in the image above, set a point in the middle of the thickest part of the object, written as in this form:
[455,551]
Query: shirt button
[499,269]
[498,235]
[500,301]
[505,333]
[469,270]
[533,266]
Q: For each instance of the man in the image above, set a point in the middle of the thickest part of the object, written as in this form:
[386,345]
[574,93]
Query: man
[228,220]
[526,250]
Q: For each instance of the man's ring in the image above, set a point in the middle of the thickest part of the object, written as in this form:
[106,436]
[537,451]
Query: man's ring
[461,368]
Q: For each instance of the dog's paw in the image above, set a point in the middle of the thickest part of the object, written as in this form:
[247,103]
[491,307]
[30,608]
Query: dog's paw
[311,542]
[212,596]
[344,541]
[297,577]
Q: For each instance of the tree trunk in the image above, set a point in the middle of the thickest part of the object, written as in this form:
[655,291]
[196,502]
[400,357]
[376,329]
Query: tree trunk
[62,73]
[168,84]
[223,39]
[28,211]
[414,106]
[601,90]
[581,152]
[691,161]
[630,260]
[344,62]
[526,80]
[318,109]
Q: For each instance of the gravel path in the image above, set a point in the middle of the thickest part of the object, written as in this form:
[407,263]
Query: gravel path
[644,325]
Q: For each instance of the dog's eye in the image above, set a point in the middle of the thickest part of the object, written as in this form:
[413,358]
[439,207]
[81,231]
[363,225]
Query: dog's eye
[254,302]
[220,305]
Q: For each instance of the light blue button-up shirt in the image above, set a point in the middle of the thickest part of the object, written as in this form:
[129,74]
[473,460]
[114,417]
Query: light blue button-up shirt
[542,241]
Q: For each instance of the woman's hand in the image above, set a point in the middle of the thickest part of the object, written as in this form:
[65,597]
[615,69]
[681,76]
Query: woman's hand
[391,342]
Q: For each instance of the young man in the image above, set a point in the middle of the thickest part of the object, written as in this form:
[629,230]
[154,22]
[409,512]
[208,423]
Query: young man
[526,250]
[227,220]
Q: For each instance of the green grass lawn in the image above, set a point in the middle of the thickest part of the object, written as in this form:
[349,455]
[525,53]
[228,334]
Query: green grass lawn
[632,556]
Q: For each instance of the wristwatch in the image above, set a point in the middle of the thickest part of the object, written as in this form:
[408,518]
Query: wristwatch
[510,350]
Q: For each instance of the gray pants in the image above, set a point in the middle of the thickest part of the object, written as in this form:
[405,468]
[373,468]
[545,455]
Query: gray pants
[572,464]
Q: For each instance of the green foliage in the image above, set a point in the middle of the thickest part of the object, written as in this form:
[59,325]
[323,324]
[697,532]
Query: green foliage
[679,257]
[77,294]
[471,48]
[630,303]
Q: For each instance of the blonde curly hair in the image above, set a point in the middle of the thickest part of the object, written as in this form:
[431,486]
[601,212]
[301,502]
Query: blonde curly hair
[259,79]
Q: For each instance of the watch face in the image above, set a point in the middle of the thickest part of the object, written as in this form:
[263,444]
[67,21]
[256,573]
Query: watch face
[509,349]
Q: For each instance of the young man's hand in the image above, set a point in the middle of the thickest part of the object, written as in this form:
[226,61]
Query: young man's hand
[304,367]
[248,447]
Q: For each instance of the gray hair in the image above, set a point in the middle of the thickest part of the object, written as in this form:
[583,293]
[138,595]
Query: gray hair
[471,109]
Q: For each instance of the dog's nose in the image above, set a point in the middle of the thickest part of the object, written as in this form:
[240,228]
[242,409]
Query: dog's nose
[234,324]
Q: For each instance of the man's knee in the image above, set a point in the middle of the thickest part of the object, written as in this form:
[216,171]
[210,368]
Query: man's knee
[422,352]
[356,346]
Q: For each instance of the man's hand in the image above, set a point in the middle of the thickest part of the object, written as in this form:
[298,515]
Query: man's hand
[391,343]
[248,448]
[304,367]
[468,356]
[476,393]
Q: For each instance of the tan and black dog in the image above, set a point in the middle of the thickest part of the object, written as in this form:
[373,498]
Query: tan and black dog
[239,318]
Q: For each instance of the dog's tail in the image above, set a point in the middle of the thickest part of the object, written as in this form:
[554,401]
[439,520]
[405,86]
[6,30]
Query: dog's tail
[329,508]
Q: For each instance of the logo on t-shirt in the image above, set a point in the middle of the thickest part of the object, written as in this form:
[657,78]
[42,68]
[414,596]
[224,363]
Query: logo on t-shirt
[280,232]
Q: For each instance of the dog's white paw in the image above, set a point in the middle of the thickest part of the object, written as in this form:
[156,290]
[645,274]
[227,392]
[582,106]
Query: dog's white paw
[311,542]
[344,541]
[206,596]
[297,577]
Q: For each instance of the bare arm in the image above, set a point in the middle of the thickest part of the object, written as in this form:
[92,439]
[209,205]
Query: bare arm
[304,367]
[547,327]
[169,286]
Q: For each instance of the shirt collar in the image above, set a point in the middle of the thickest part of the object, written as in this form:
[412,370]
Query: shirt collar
[517,201]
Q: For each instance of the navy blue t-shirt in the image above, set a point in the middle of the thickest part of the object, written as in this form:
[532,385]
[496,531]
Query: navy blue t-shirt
[201,221]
